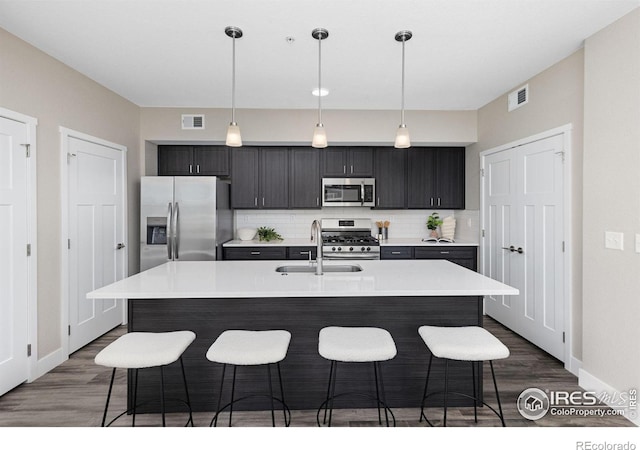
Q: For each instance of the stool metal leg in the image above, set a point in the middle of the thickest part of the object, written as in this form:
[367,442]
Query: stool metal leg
[214,421]
[375,375]
[284,408]
[186,391]
[326,405]
[495,385]
[233,391]
[106,407]
[333,391]
[426,384]
[446,390]
[164,424]
[384,398]
[273,414]
[475,397]
[135,397]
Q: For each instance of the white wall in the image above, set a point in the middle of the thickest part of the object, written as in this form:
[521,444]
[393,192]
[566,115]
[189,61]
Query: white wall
[612,203]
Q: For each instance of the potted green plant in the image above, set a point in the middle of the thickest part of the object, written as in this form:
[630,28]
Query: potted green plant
[268,234]
[433,222]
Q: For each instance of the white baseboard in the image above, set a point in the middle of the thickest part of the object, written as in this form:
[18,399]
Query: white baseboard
[590,383]
[47,363]
[574,366]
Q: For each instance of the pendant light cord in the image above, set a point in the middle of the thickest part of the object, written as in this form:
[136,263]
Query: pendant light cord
[402,109]
[320,80]
[233,82]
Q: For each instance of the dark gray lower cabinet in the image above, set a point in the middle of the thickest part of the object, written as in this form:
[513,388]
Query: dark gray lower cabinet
[301,252]
[466,256]
[254,253]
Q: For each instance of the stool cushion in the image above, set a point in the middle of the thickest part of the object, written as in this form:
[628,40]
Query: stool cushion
[356,344]
[138,350]
[248,348]
[463,343]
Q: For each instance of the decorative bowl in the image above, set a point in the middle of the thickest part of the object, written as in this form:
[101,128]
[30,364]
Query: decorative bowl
[246,234]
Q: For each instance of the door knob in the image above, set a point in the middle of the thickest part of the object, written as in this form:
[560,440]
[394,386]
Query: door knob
[511,249]
[120,246]
[520,250]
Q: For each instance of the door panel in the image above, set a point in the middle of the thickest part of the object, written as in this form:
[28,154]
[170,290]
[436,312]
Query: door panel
[96,227]
[523,208]
[13,255]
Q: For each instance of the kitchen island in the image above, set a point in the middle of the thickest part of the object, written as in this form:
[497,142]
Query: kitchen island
[400,296]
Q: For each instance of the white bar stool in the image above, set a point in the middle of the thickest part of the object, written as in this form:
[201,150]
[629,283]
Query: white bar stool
[142,350]
[473,344]
[250,348]
[355,344]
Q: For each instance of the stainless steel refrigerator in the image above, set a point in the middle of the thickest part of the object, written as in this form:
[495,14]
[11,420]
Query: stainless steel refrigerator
[183,219]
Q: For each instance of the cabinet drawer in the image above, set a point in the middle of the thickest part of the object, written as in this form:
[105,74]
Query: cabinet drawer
[445,253]
[247,253]
[301,252]
[396,252]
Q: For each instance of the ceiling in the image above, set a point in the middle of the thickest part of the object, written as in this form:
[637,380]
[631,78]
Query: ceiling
[463,54]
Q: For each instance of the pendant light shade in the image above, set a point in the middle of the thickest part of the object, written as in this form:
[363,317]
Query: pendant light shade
[319,133]
[402,135]
[234,139]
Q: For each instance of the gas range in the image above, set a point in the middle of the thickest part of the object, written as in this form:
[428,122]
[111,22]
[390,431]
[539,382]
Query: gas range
[348,239]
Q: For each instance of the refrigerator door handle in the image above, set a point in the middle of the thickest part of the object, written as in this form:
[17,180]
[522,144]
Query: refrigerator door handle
[176,231]
[169,240]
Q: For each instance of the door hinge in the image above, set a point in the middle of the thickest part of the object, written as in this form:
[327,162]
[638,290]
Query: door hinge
[27,148]
[562,246]
[69,330]
[482,172]
[69,155]
[68,244]
[28,249]
[561,153]
[28,350]
[482,233]
[563,337]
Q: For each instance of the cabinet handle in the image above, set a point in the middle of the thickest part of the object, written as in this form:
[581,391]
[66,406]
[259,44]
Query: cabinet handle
[395,253]
[438,201]
[431,201]
[378,201]
[351,168]
[255,253]
[255,201]
[317,201]
[197,168]
[344,169]
[304,253]
[190,168]
[444,253]
[262,201]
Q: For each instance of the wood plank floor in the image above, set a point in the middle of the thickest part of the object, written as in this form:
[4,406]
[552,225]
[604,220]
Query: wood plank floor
[73,395]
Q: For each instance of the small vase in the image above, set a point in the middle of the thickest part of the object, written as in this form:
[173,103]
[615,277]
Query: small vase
[434,234]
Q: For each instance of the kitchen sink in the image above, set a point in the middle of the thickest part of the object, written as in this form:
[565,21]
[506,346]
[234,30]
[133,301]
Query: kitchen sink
[325,269]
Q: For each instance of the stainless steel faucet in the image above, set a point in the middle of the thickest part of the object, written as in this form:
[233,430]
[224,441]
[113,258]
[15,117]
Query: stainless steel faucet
[317,236]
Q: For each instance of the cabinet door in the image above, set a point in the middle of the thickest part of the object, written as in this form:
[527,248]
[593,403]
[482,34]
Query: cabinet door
[304,180]
[274,178]
[396,252]
[211,160]
[301,252]
[255,253]
[334,161]
[390,170]
[360,162]
[244,177]
[420,178]
[175,160]
[449,178]
[464,256]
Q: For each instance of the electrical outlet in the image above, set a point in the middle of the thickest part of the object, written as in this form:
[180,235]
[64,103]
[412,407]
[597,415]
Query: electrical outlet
[614,240]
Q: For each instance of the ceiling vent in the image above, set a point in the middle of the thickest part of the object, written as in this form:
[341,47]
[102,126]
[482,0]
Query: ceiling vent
[519,97]
[193,121]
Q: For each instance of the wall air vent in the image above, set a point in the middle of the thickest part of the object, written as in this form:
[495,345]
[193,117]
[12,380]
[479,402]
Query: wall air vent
[518,97]
[193,121]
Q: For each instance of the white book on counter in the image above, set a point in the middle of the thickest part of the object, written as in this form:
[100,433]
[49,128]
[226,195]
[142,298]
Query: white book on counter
[440,239]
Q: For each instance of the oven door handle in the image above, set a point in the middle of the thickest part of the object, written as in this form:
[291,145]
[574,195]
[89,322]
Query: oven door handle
[351,256]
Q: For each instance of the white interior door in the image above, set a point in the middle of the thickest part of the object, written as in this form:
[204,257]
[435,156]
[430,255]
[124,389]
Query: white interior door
[523,244]
[14,363]
[96,237]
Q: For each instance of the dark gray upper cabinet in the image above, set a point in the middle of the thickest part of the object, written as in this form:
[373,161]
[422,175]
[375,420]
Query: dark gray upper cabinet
[304,178]
[435,177]
[390,174]
[347,162]
[260,177]
[180,160]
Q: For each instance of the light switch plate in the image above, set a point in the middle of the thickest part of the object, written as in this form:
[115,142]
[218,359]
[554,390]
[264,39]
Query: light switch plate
[614,240]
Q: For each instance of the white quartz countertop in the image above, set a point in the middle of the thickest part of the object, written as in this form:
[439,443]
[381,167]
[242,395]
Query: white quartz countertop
[259,279]
[300,242]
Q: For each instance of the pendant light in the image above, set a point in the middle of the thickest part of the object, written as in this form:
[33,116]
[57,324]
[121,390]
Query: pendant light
[319,134]
[234,139]
[402,135]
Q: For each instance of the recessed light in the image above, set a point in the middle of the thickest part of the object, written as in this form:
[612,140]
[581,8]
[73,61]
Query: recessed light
[323,92]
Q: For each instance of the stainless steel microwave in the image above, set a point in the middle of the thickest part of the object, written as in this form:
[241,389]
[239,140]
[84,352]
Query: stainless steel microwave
[348,191]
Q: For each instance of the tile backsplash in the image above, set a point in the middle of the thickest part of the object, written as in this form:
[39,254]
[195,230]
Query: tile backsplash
[403,223]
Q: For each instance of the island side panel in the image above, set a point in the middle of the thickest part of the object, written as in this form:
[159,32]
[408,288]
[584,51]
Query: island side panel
[304,371]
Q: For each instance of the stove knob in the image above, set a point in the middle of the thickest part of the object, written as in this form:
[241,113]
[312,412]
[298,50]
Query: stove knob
[339,249]
[368,248]
[362,249]
[350,249]
[333,249]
